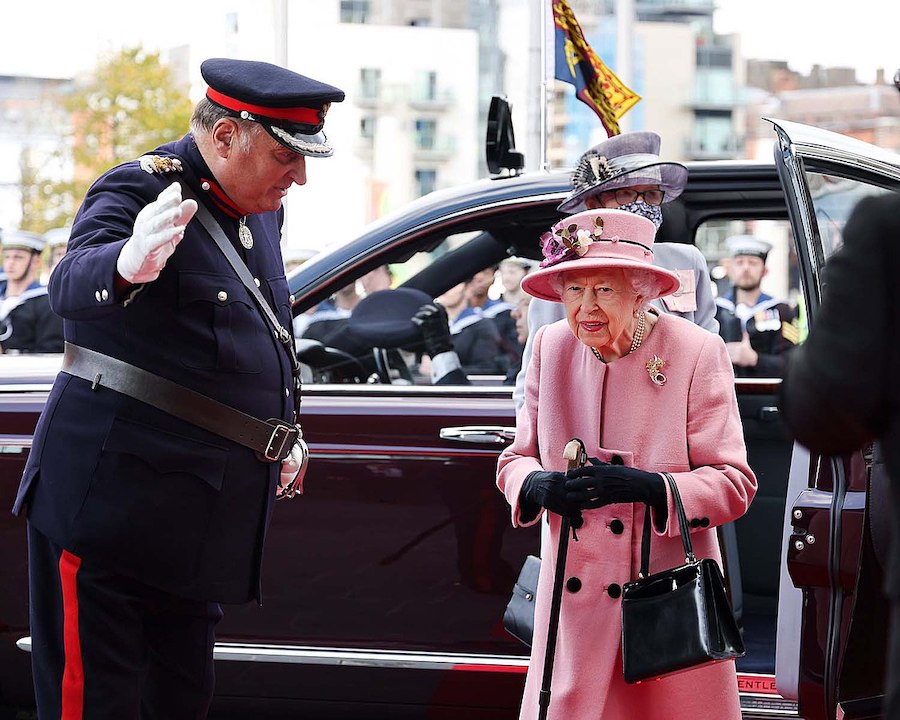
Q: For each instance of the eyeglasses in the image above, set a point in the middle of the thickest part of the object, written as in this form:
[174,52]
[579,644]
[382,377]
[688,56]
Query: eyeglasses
[624,196]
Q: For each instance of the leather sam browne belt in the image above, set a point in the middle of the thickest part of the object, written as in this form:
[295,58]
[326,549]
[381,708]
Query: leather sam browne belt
[271,439]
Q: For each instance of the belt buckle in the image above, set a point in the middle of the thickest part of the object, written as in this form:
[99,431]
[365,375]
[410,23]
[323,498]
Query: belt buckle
[280,441]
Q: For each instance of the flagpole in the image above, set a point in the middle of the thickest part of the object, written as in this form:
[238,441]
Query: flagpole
[545,16]
[624,32]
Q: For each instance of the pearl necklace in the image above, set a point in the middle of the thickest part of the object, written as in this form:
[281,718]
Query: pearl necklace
[635,341]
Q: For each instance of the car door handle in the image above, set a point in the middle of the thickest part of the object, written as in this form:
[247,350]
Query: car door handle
[491,434]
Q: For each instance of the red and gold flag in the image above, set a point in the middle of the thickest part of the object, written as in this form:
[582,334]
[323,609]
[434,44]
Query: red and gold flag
[576,63]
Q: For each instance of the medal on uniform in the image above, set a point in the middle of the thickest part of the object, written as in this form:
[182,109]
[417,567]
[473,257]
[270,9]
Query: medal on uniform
[244,234]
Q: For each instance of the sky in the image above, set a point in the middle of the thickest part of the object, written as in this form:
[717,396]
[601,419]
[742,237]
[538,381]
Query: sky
[861,34]
[53,37]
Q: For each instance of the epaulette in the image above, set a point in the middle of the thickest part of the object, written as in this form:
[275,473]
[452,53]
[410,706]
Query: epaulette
[159,164]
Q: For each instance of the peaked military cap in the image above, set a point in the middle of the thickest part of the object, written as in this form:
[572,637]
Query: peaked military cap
[384,318]
[748,245]
[24,240]
[290,106]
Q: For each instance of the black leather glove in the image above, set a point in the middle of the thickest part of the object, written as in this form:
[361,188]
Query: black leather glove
[548,490]
[594,486]
[432,318]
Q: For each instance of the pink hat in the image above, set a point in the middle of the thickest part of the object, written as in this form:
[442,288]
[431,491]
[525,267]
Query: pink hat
[598,240]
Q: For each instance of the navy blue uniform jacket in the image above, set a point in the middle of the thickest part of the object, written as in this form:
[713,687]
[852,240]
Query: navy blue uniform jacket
[115,480]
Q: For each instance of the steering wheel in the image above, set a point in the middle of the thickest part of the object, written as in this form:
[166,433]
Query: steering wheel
[328,364]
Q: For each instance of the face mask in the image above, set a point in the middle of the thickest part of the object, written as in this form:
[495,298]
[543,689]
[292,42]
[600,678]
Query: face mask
[652,212]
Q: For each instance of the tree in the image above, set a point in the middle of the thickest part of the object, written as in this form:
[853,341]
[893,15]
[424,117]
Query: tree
[129,105]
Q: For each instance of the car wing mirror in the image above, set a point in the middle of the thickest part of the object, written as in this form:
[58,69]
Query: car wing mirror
[500,142]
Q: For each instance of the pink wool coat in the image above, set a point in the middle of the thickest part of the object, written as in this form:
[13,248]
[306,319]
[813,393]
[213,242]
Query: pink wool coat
[689,427]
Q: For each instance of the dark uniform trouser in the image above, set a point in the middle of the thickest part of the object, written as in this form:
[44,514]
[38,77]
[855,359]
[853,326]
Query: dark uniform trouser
[106,646]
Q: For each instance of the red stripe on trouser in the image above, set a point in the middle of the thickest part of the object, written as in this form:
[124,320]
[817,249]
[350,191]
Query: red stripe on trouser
[73,672]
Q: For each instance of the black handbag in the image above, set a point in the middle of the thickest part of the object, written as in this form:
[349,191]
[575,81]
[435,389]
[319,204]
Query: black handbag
[518,619]
[678,618]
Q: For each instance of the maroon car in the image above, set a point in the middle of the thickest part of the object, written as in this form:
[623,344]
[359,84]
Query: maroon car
[384,585]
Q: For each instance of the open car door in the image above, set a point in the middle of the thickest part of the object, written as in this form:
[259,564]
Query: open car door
[835,525]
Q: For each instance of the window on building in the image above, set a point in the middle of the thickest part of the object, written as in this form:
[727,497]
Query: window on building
[426,85]
[367,127]
[426,181]
[370,83]
[426,134]
[714,134]
[355,11]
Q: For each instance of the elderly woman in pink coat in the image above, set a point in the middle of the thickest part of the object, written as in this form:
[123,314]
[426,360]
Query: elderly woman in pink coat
[647,393]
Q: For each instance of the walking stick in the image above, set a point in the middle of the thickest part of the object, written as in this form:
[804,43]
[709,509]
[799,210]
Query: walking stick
[576,456]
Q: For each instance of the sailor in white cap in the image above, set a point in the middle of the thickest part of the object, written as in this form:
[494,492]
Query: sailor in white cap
[757,328]
[27,324]
[57,242]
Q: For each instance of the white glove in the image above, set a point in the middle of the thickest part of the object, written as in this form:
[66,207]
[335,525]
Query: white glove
[293,470]
[158,229]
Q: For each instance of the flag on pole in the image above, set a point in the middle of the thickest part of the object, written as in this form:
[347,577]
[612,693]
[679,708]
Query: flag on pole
[576,63]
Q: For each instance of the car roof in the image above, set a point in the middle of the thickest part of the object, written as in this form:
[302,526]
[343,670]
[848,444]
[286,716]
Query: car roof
[515,210]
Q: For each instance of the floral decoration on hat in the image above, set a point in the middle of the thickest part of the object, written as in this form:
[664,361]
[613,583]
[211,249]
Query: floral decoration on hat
[592,169]
[568,242]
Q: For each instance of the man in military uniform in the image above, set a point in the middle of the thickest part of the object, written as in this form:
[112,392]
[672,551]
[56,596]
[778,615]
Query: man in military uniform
[757,328]
[171,427]
[27,324]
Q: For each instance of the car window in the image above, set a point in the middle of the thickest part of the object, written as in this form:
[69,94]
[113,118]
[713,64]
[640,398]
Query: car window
[834,198]
[773,323]
[484,335]
[782,278]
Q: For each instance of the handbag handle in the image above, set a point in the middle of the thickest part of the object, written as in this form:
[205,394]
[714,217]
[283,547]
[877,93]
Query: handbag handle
[683,528]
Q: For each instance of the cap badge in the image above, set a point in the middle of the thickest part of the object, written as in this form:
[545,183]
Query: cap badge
[153,164]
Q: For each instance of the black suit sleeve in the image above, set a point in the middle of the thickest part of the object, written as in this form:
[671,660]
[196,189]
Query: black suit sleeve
[835,396]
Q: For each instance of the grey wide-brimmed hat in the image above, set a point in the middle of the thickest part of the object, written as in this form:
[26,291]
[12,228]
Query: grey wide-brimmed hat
[623,161]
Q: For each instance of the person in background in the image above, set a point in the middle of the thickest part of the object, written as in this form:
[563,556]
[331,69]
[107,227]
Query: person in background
[329,321]
[476,290]
[381,278]
[757,328]
[27,322]
[839,390]
[172,426]
[626,172]
[57,240]
[476,338]
[519,316]
[648,393]
[512,270]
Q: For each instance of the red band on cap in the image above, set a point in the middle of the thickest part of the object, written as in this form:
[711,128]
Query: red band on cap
[309,116]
